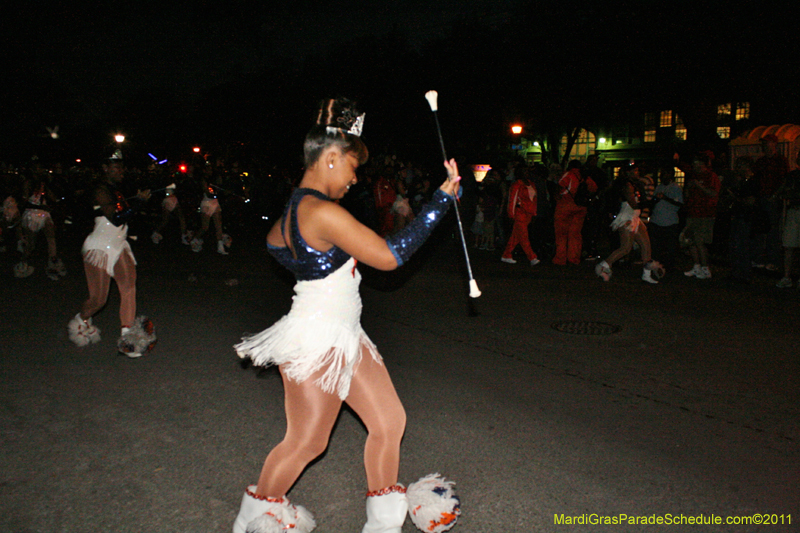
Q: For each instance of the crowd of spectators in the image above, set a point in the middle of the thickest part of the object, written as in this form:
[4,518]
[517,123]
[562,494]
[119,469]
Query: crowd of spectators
[735,220]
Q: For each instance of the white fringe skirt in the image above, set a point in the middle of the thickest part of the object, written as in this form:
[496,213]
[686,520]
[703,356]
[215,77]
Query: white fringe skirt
[105,244]
[627,218]
[322,331]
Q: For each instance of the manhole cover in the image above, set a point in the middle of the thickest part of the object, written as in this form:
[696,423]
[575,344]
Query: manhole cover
[583,327]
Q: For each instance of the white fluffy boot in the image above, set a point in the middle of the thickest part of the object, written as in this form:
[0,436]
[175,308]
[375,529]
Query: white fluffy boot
[82,332]
[138,339]
[386,510]
[432,504]
[259,514]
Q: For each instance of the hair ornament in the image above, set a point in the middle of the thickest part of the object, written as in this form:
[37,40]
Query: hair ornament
[357,126]
[349,124]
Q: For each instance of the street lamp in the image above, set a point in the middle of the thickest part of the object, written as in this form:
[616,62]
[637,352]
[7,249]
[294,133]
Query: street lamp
[516,129]
[120,138]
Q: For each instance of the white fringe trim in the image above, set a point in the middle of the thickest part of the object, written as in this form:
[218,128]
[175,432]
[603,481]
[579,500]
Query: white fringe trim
[97,258]
[302,348]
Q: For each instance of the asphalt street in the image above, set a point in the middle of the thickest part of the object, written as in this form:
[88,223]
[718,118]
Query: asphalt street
[689,411]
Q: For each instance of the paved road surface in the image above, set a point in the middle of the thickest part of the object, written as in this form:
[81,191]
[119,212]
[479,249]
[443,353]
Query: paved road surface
[690,409]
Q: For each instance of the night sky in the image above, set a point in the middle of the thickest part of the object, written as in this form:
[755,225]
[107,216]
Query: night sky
[242,68]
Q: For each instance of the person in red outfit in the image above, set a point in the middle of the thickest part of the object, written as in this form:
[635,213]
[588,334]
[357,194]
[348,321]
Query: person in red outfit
[702,192]
[385,195]
[569,216]
[521,209]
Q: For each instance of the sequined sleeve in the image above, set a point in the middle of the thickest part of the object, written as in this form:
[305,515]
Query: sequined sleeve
[405,242]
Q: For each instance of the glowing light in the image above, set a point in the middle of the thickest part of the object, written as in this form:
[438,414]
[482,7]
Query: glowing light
[77,160]
[536,143]
[154,158]
[602,140]
[196,149]
[516,129]
[119,138]
[182,168]
[480,171]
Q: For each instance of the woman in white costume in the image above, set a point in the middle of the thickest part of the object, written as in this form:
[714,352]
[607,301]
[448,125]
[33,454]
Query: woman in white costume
[210,210]
[36,218]
[106,255]
[323,354]
[631,229]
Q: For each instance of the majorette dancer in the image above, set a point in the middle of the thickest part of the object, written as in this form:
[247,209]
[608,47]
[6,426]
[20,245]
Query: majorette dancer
[35,218]
[324,356]
[169,206]
[210,209]
[106,255]
[631,228]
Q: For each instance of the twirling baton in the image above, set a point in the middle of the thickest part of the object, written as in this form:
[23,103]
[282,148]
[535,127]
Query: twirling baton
[432,98]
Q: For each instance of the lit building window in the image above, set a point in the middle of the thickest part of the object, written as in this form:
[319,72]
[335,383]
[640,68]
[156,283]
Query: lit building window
[666,119]
[585,144]
[680,129]
[650,136]
[742,110]
[723,110]
[680,177]
[724,132]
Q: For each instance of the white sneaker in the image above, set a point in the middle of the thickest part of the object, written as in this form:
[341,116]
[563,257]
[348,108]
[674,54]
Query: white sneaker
[221,248]
[696,269]
[535,262]
[603,270]
[704,273]
[156,237]
[508,260]
[784,283]
[647,276]
[197,245]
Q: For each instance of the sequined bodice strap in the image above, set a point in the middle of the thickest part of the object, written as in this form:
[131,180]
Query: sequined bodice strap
[307,263]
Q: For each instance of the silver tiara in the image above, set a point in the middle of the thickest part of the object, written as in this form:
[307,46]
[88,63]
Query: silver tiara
[355,128]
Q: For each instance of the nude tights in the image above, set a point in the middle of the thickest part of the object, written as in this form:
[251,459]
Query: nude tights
[311,414]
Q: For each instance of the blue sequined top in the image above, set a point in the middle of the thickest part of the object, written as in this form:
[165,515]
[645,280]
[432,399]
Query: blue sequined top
[309,263]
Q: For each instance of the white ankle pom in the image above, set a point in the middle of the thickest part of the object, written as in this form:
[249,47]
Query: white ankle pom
[139,338]
[282,517]
[76,329]
[432,504]
[82,332]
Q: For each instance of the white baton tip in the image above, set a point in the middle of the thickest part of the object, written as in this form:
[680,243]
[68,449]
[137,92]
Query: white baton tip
[474,291]
[432,97]
[171,186]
